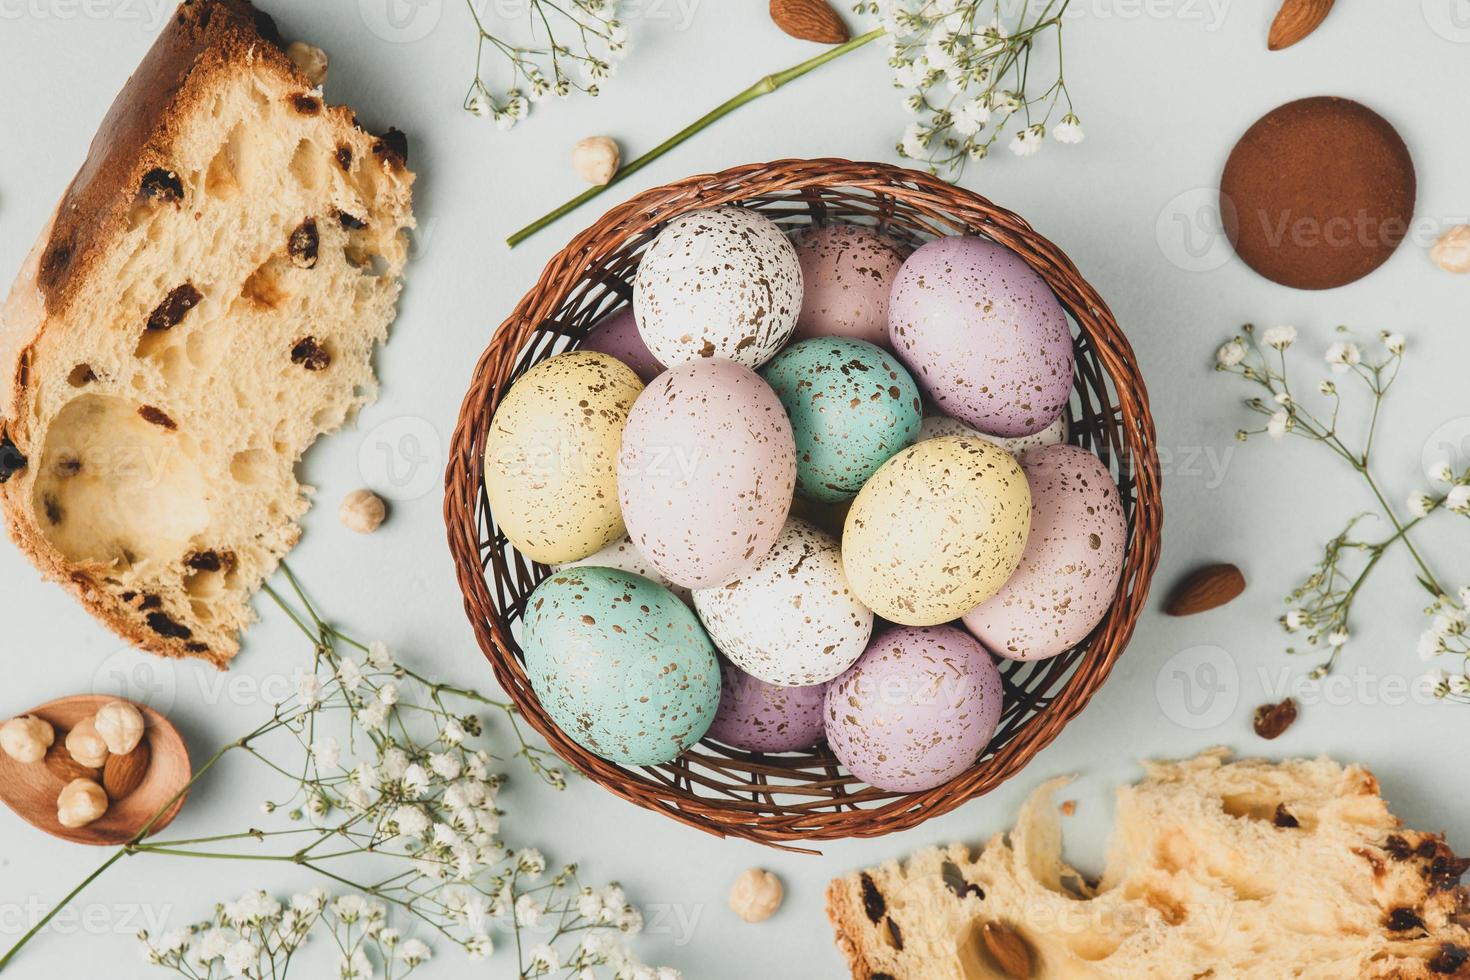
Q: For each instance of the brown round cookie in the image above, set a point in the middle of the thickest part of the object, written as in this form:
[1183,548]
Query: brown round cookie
[1318,193]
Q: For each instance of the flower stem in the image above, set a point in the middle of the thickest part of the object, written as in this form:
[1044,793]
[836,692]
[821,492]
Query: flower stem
[765,86]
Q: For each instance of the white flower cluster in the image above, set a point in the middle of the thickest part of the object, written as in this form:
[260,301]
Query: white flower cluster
[1448,635]
[544,66]
[965,73]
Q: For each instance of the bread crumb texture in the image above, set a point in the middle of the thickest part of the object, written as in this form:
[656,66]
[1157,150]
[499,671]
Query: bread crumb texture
[203,306]
[1217,869]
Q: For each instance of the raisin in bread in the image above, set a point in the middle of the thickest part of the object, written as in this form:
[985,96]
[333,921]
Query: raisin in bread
[203,305]
[1217,869]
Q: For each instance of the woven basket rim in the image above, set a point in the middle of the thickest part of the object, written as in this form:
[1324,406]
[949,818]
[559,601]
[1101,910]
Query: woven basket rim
[670,789]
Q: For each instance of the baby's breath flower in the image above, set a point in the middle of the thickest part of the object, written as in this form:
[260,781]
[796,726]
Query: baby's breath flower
[1069,130]
[1420,503]
[1279,337]
[1343,356]
[1231,353]
[1028,141]
[1458,499]
[1279,424]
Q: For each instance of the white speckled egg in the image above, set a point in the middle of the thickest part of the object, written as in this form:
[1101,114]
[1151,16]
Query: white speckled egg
[720,283]
[760,717]
[917,710]
[620,664]
[1070,568]
[848,273]
[937,530]
[983,334]
[623,555]
[551,455]
[707,472]
[791,619]
[935,426]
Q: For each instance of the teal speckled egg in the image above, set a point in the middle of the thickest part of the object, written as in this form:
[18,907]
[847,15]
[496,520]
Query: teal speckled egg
[621,665]
[852,406]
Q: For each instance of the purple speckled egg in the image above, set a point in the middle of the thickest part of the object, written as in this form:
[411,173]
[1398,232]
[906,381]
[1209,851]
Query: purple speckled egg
[984,336]
[617,335]
[707,472]
[760,717]
[848,272]
[1069,570]
[916,710]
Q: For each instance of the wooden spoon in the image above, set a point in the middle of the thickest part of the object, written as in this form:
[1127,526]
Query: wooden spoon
[31,789]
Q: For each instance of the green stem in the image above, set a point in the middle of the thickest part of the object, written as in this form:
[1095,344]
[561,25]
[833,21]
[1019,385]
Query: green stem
[765,86]
[1401,529]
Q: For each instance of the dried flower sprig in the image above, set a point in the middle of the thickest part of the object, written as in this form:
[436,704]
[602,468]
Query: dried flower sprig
[965,71]
[541,65]
[1321,606]
[388,794]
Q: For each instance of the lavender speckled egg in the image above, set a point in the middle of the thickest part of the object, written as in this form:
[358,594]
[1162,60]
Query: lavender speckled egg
[617,334]
[760,717]
[935,426]
[983,335]
[721,283]
[937,530]
[620,664]
[848,273]
[1070,568]
[852,406]
[707,472]
[916,711]
[791,619]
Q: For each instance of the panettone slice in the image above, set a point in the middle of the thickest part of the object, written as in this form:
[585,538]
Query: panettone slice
[1221,869]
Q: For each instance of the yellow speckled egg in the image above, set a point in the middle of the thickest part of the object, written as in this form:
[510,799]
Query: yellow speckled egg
[937,530]
[551,458]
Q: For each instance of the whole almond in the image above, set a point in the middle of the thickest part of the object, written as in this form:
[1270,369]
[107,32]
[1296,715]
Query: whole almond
[124,773]
[61,764]
[1009,950]
[1205,588]
[1295,20]
[809,20]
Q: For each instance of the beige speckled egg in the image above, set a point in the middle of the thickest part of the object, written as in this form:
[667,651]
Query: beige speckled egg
[1072,561]
[937,530]
[790,620]
[624,556]
[551,457]
[719,283]
[934,426]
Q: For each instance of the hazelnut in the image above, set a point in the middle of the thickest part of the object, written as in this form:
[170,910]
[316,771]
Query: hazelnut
[756,895]
[121,727]
[80,802]
[86,745]
[311,59]
[1452,252]
[27,738]
[596,159]
[362,511]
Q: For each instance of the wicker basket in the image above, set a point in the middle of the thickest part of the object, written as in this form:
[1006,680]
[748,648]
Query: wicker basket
[788,798]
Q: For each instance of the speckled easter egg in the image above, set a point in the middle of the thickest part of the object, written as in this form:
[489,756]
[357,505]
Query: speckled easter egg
[791,619]
[916,711]
[720,283]
[551,455]
[935,426]
[852,406]
[760,717]
[617,334]
[937,530]
[1070,568]
[624,555]
[707,472]
[848,273]
[620,664]
[983,335]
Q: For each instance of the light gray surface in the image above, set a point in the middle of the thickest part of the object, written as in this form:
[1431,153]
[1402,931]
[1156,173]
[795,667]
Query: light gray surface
[1163,88]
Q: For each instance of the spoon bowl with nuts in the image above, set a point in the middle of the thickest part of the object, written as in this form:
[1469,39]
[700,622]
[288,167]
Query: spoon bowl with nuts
[93,769]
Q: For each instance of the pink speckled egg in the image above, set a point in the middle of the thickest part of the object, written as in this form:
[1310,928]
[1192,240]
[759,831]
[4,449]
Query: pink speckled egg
[617,335]
[707,471]
[760,717]
[916,710]
[848,272]
[1073,558]
[984,336]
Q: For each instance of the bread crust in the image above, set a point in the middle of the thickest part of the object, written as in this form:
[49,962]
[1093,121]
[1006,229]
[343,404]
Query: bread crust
[202,41]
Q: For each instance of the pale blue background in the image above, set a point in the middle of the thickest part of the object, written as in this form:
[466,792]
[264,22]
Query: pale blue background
[1163,87]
